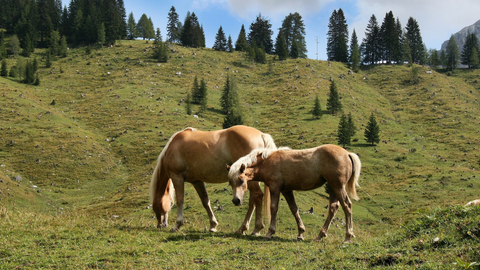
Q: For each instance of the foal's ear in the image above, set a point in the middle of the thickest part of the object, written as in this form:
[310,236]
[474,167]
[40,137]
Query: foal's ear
[227,167]
[242,168]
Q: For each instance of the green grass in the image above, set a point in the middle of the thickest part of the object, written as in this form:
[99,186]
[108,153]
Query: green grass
[91,156]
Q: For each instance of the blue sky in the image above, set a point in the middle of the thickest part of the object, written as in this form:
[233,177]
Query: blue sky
[437,19]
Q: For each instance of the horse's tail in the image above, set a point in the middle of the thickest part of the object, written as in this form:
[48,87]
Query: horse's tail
[353,181]
[268,142]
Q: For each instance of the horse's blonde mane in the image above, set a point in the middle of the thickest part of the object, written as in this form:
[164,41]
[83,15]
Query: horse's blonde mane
[250,159]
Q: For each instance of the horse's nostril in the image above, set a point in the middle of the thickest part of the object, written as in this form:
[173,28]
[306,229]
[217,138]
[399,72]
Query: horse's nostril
[236,201]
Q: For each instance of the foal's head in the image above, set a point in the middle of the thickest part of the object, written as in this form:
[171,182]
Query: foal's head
[239,184]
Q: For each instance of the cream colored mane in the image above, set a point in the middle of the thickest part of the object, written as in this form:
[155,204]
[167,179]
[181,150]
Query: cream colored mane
[250,159]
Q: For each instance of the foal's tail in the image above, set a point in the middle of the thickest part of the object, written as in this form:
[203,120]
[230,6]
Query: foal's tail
[268,143]
[353,181]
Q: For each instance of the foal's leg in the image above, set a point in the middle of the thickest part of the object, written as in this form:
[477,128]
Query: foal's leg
[274,197]
[332,210]
[202,192]
[294,209]
[256,196]
[346,204]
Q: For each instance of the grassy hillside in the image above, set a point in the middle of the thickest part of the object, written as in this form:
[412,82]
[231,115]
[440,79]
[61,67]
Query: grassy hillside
[77,153]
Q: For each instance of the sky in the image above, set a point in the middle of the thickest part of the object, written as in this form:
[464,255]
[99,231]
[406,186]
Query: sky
[438,19]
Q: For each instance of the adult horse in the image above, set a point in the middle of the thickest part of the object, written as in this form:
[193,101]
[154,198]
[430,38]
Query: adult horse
[284,170]
[199,157]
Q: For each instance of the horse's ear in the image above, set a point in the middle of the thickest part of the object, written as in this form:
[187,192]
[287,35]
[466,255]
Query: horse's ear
[227,167]
[242,168]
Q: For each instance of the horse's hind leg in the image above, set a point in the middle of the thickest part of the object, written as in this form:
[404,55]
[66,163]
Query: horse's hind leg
[179,184]
[202,192]
[294,209]
[332,210]
[346,204]
[255,203]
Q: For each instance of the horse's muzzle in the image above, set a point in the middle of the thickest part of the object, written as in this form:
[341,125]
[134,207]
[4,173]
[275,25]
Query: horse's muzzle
[236,201]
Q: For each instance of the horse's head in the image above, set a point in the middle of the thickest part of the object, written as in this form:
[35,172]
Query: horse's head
[239,183]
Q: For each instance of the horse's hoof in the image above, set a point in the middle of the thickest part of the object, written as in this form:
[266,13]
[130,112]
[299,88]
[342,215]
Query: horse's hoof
[213,230]
[300,238]
[256,233]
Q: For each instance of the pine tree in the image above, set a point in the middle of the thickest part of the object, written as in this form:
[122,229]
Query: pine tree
[389,37]
[220,41]
[294,50]
[452,54]
[230,44]
[337,49]
[230,104]
[281,47]
[354,52]
[63,47]
[372,131]
[14,45]
[261,33]
[407,53]
[48,61]
[333,101]
[101,34]
[13,72]
[4,71]
[131,27]
[371,44]
[352,129]
[37,80]
[227,99]
[470,47]
[173,30]
[293,30]
[54,42]
[241,44]
[20,68]
[317,109]
[143,27]
[415,40]
[29,73]
[203,95]
[196,95]
[343,132]
[433,58]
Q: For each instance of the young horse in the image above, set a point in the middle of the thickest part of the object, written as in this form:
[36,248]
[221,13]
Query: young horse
[285,170]
[198,157]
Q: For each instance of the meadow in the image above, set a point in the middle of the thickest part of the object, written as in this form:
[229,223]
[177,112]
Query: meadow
[77,153]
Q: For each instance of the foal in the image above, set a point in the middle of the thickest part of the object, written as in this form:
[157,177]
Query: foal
[285,170]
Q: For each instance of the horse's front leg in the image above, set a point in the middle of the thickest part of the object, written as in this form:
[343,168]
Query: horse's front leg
[179,184]
[294,209]
[274,197]
[256,199]
[202,193]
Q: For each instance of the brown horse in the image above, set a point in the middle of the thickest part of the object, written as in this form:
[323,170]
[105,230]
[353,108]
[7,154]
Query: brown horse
[199,157]
[284,170]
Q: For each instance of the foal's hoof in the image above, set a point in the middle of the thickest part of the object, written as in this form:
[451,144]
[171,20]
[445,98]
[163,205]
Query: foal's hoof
[213,230]
[300,238]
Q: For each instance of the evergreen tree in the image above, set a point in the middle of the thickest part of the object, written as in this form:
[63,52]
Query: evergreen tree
[333,101]
[48,62]
[452,54]
[372,131]
[415,40]
[63,47]
[470,48]
[230,104]
[113,16]
[433,58]
[35,65]
[230,44]
[3,50]
[37,80]
[101,34]
[281,49]
[203,95]
[54,42]
[4,71]
[29,73]
[317,109]
[260,55]
[196,95]
[294,50]
[160,51]
[398,50]
[343,132]
[443,58]
[261,33]
[158,37]
[354,52]
[220,41]
[233,118]
[20,68]
[293,30]
[13,72]
[371,44]
[192,32]
[389,37]
[407,52]
[173,30]
[337,49]
[131,27]
[352,129]
[14,45]
[241,44]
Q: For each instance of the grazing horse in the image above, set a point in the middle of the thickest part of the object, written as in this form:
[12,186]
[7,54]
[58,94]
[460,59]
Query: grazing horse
[284,170]
[199,157]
